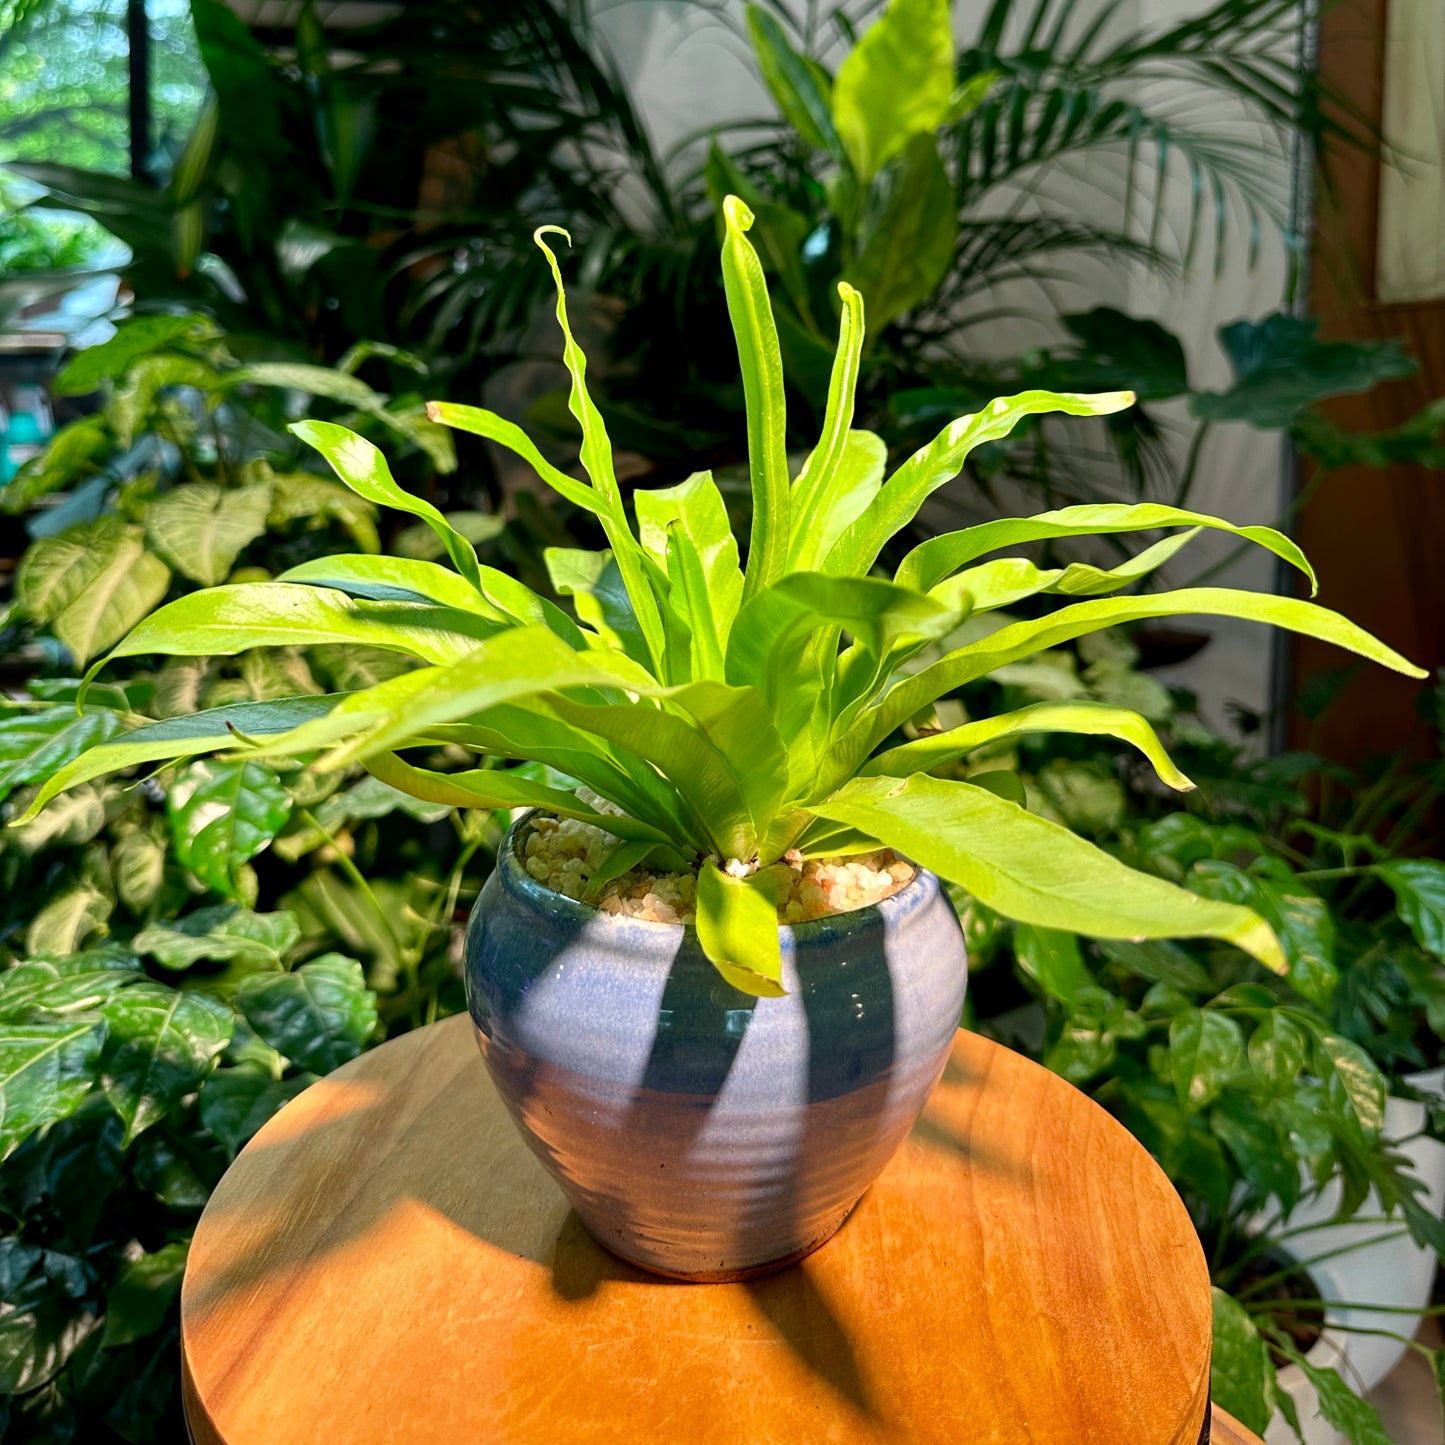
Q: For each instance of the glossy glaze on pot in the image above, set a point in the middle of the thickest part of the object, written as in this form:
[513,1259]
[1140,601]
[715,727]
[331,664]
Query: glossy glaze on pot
[697,1131]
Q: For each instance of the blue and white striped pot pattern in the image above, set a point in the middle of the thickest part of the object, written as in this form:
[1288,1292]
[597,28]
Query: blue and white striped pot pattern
[697,1131]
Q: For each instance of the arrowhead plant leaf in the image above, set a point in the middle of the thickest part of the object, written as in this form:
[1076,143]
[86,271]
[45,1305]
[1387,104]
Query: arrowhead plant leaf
[728,703]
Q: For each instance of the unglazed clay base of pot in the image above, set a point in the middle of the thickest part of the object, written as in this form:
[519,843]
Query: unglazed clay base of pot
[387,1263]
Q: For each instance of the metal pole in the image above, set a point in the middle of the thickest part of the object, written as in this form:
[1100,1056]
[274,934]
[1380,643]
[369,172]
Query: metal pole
[138,35]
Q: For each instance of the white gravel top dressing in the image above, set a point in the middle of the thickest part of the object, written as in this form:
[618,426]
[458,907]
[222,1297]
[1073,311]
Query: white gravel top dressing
[564,854]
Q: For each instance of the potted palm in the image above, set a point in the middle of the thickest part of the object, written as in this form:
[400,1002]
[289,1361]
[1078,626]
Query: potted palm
[714,976]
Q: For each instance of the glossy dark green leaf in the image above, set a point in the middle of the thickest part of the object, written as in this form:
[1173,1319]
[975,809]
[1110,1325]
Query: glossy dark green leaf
[1358,1075]
[1278,1049]
[1303,922]
[139,1300]
[46,1070]
[222,933]
[161,1046]
[1241,1377]
[1419,885]
[1206,1049]
[1348,1412]
[800,88]
[222,814]
[1281,368]
[42,1322]
[236,1102]
[318,1016]
[1249,1134]
[1053,960]
[66,985]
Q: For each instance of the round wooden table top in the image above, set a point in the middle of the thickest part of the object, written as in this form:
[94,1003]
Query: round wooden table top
[387,1262]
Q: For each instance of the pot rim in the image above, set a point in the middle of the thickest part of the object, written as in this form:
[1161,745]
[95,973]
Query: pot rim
[514,876]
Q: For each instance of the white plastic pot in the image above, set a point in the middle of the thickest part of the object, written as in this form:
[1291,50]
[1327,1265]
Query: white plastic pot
[1393,1271]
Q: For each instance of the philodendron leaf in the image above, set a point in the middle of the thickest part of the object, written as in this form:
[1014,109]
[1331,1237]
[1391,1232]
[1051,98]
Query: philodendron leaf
[319,1016]
[183,737]
[139,1300]
[1095,719]
[1281,368]
[1206,1049]
[35,742]
[1241,1377]
[911,227]
[162,1044]
[737,925]
[896,83]
[762,369]
[200,529]
[222,814]
[67,920]
[138,867]
[55,570]
[128,583]
[1032,870]
[46,1069]
[363,468]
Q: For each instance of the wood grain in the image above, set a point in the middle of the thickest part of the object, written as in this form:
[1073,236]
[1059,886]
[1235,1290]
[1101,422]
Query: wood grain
[1226,1430]
[386,1262]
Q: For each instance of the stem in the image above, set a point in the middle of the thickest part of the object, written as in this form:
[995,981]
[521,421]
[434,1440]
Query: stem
[1285,1303]
[1302,1266]
[1191,463]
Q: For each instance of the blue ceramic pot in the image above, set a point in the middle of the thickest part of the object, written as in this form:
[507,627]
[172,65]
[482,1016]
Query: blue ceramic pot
[697,1131]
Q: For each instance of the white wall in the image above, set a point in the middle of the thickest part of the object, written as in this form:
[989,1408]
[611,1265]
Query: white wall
[689,70]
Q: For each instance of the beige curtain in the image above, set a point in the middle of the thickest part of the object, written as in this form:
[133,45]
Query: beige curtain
[1411,260]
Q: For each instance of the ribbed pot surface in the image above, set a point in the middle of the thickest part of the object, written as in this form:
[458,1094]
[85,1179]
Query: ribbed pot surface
[697,1131]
